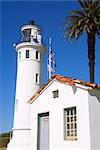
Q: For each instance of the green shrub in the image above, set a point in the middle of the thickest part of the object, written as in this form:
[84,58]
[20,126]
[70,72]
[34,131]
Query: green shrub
[4,140]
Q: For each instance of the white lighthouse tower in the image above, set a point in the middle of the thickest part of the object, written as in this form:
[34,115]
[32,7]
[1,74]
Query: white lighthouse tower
[30,51]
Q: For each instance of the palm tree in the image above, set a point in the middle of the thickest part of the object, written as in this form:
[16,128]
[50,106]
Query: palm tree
[85,19]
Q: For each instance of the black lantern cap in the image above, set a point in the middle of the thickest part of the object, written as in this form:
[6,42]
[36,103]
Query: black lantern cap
[31,22]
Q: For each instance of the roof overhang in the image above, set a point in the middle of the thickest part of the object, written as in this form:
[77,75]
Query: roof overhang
[66,80]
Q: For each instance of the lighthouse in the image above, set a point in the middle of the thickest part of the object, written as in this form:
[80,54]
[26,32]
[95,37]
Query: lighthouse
[30,52]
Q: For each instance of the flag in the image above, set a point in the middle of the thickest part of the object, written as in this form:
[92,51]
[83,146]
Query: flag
[54,64]
[50,54]
[51,64]
[50,69]
[50,51]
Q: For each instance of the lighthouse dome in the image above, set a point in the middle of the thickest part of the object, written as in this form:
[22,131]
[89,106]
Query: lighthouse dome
[31,33]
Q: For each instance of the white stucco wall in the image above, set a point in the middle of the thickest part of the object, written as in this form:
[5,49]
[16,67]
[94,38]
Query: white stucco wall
[68,97]
[94,111]
[26,86]
[27,83]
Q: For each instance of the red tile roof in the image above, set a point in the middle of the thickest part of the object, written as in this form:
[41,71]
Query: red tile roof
[65,79]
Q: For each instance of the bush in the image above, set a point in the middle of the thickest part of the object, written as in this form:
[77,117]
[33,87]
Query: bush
[4,140]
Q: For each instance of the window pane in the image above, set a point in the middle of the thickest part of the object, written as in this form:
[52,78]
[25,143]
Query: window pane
[75,132]
[68,112]
[67,119]
[71,132]
[27,53]
[37,78]
[68,133]
[75,125]
[71,126]
[19,55]
[37,56]
[72,112]
[55,94]
[72,119]
[67,126]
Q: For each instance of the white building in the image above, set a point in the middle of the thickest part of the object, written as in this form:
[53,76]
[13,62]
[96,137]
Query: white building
[62,114]
[65,115]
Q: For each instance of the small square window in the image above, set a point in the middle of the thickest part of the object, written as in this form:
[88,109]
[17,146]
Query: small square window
[27,53]
[55,94]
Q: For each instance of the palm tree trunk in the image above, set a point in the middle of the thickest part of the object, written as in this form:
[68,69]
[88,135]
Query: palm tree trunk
[91,53]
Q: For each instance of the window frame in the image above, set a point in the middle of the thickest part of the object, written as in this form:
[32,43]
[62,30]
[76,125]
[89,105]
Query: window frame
[19,55]
[55,93]
[37,78]
[27,54]
[70,124]
[37,55]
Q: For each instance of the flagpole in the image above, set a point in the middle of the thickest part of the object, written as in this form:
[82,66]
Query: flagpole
[51,64]
[49,59]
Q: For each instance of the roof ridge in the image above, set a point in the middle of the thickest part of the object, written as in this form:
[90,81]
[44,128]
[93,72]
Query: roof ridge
[76,80]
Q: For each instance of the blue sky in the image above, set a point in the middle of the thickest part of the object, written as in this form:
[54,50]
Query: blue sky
[71,57]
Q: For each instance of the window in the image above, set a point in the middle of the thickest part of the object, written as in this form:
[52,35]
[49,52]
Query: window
[37,78]
[19,55]
[55,94]
[27,53]
[16,106]
[70,124]
[37,55]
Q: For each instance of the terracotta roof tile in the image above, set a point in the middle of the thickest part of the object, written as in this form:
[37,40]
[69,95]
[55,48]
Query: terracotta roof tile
[77,81]
[58,77]
[65,79]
